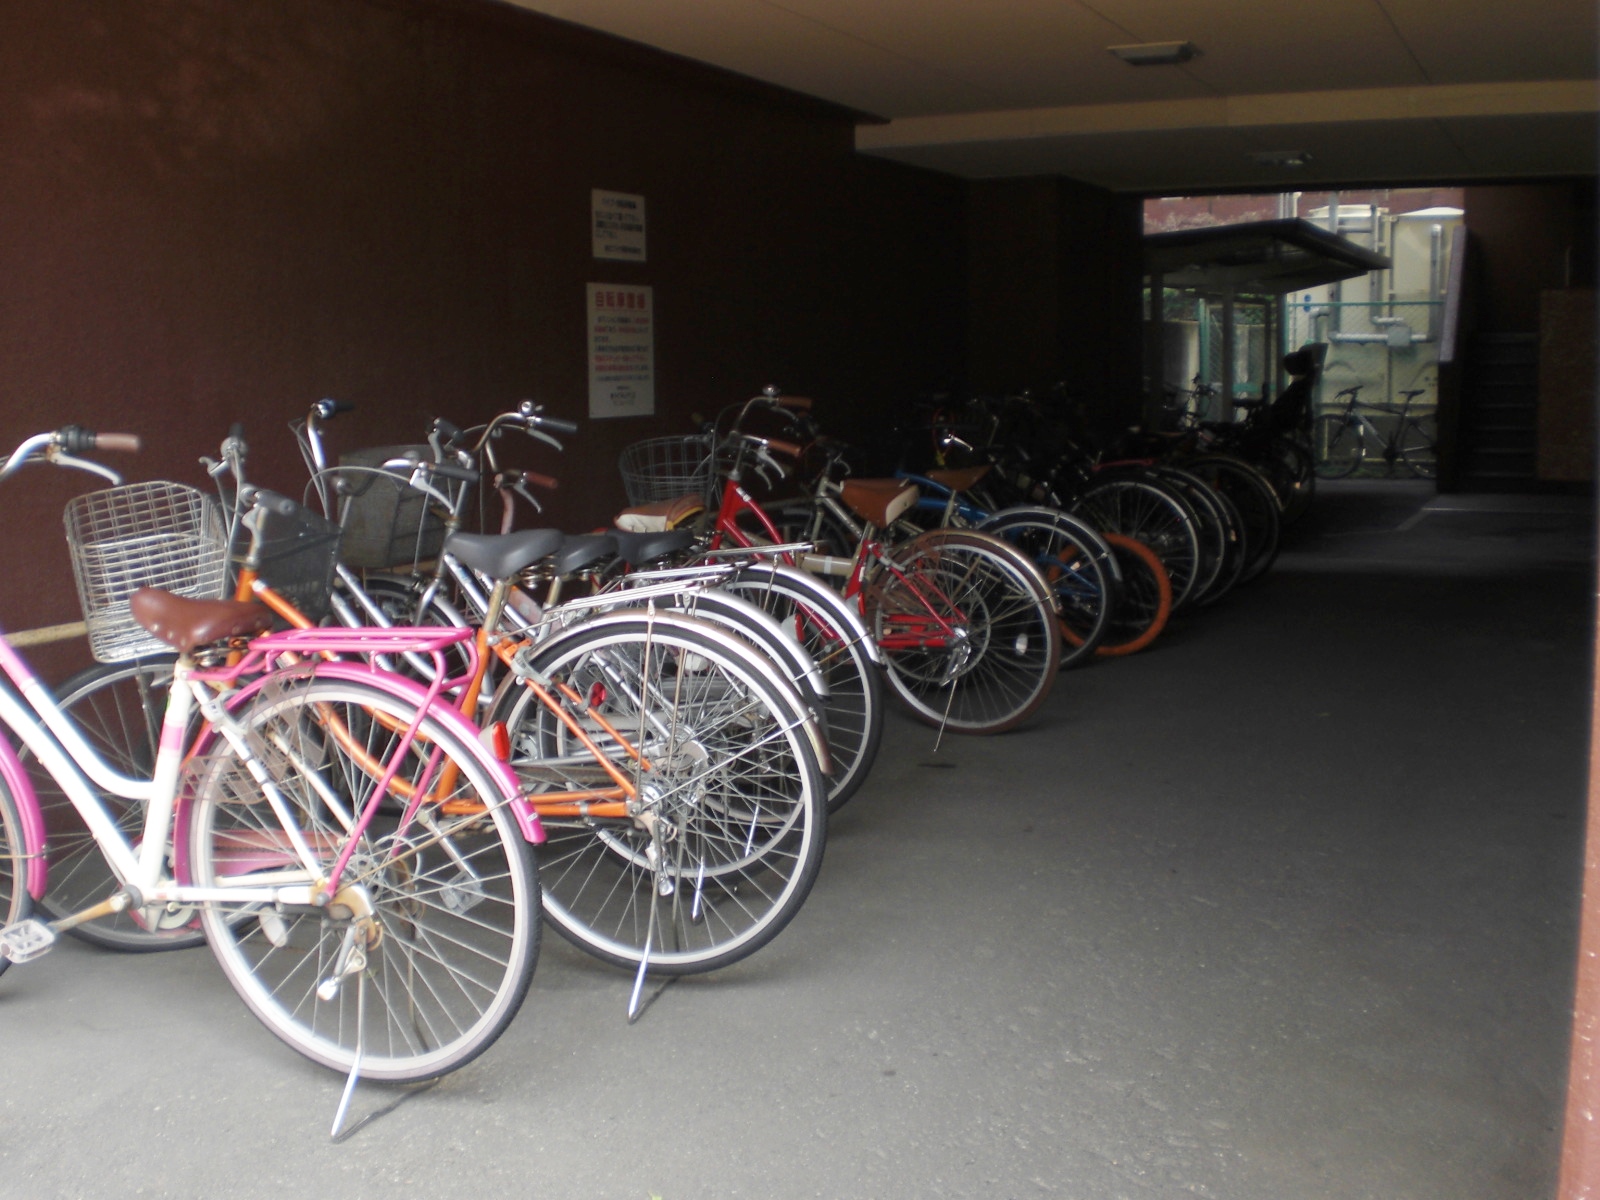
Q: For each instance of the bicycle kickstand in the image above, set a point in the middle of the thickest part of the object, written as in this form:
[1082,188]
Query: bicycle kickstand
[338,1133]
[636,1009]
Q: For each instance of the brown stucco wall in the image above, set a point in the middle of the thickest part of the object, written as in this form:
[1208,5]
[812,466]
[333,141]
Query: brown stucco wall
[213,211]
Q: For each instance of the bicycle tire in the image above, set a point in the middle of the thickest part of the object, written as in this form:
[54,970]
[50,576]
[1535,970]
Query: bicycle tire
[118,707]
[1254,500]
[1418,450]
[733,789]
[1338,446]
[1007,647]
[1216,570]
[853,711]
[1077,564]
[15,902]
[1290,468]
[1235,545]
[1152,515]
[455,926]
[1144,602]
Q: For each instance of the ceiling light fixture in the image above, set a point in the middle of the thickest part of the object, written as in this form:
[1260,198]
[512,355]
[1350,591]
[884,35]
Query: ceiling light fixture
[1155,54]
[1280,158]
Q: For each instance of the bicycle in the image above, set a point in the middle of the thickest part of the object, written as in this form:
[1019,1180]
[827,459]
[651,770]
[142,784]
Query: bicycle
[965,623]
[645,740]
[362,916]
[1343,439]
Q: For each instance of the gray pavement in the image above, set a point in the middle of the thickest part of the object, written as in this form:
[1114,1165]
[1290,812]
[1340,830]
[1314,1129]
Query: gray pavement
[1283,908]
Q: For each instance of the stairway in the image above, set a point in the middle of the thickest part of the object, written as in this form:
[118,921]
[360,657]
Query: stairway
[1498,431]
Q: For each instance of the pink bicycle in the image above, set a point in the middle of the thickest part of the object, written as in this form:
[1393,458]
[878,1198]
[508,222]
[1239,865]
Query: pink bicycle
[360,863]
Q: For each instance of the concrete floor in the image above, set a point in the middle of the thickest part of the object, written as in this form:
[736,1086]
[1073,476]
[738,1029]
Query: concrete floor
[1282,909]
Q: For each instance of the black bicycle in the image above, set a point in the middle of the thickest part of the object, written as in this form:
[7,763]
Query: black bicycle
[1342,439]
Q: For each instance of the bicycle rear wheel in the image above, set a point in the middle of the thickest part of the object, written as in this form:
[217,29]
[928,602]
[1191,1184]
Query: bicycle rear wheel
[729,817]
[852,712]
[1338,445]
[443,907]
[969,638]
[1417,450]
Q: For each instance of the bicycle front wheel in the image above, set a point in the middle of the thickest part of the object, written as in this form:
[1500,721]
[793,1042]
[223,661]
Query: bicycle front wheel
[720,842]
[1338,446]
[1076,562]
[427,950]
[853,710]
[969,639]
[14,900]
[118,707]
[1144,598]
[1153,515]
[1417,450]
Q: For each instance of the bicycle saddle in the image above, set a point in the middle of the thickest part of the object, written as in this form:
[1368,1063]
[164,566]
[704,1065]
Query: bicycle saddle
[636,548]
[584,550]
[502,555]
[184,624]
[959,479]
[879,502]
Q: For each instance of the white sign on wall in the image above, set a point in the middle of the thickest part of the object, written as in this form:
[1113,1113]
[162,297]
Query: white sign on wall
[622,350]
[618,225]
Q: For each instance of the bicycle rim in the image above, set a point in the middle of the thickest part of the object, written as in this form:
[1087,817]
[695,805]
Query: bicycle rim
[118,707]
[731,813]
[1144,601]
[1417,451]
[1338,446]
[969,642]
[453,896]
[1149,514]
[852,714]
[1076,563]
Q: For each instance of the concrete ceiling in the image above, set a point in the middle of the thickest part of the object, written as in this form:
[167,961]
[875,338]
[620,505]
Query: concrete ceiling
[1374,91]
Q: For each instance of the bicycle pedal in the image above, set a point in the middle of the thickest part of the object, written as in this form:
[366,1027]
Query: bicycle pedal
[26,940]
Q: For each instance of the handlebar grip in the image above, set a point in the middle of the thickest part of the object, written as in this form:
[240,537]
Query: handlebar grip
[556,424]
[122,443]
[547,482]
[797,403]
[451,471]
[789,448]
[328,407]
[236,430]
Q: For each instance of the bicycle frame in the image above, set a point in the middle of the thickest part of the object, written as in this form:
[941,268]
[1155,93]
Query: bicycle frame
[33,715]
[924,630]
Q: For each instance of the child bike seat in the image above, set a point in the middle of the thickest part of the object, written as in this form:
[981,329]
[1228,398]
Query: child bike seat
[660,515]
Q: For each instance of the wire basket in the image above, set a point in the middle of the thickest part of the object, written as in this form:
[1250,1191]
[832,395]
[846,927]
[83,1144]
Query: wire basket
[298,555]
[666,468]
[387,523]
[164,535]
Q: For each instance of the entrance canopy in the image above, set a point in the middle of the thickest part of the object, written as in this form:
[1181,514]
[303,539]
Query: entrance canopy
[1262,258]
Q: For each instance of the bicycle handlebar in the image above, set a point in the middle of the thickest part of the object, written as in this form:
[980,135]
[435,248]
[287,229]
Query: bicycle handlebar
[63,447]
